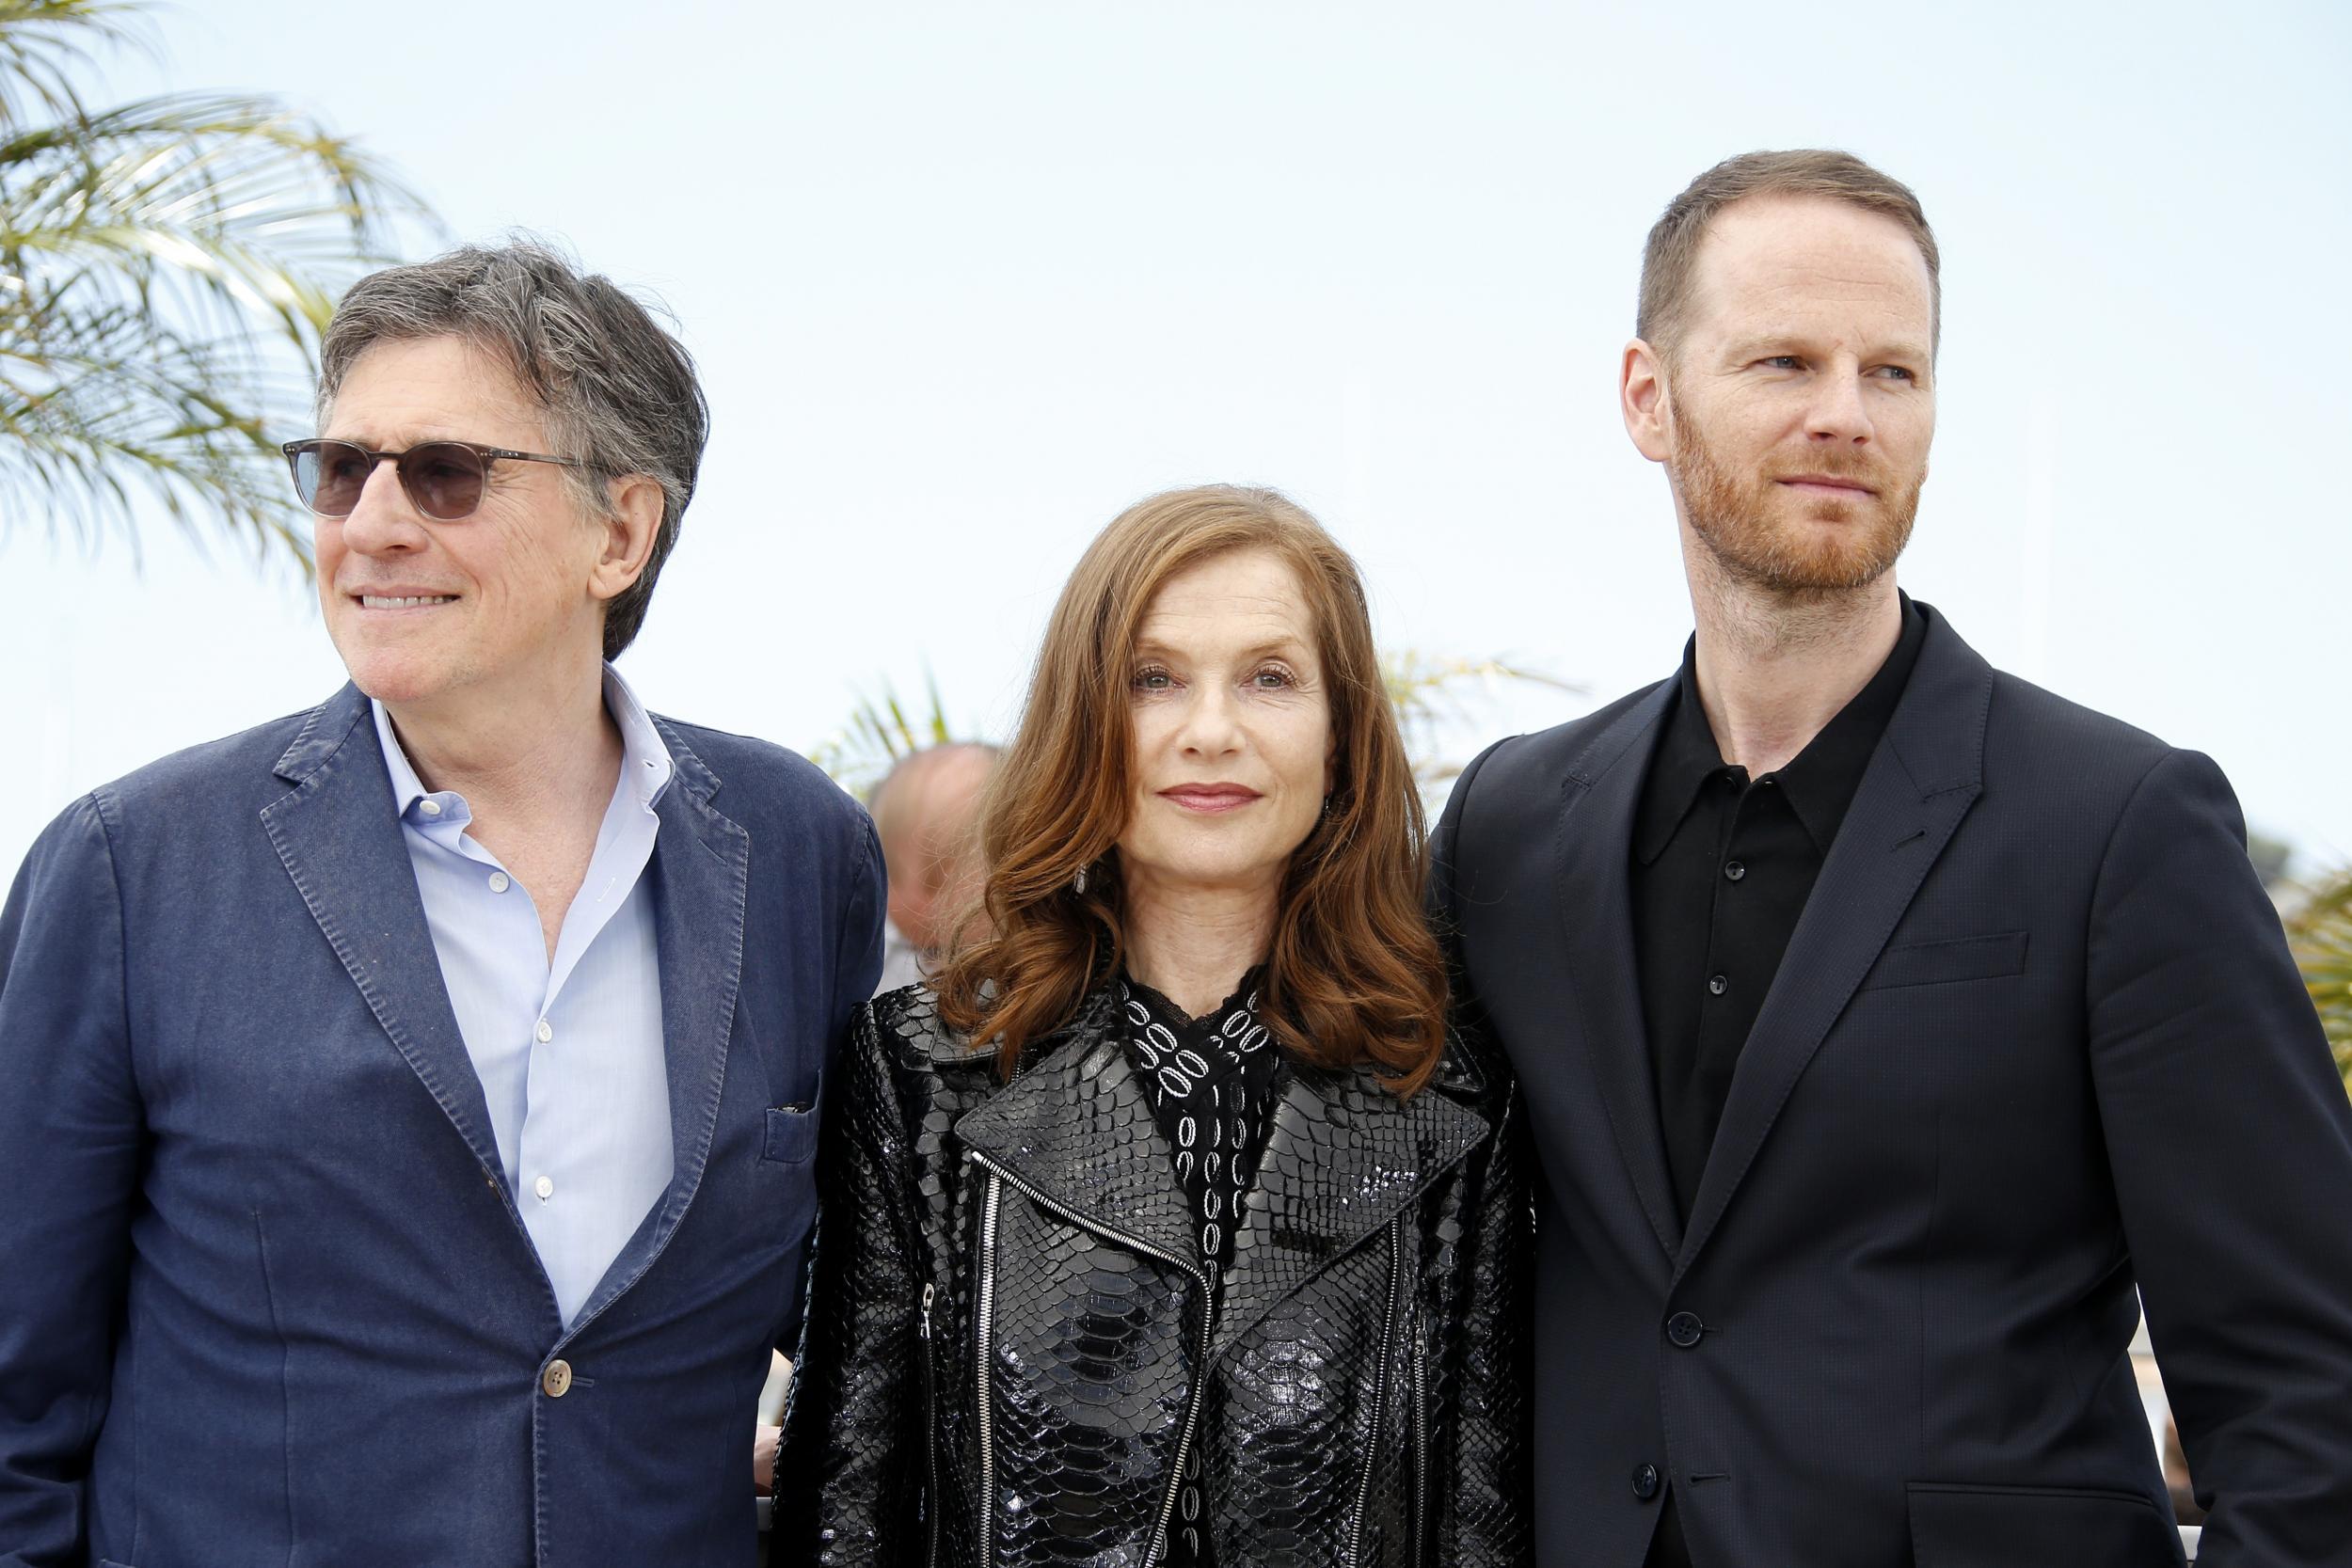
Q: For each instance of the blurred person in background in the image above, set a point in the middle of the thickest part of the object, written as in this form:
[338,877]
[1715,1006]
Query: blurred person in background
[406,1106]
[1885,1020]
[1169,1223]
[927,812]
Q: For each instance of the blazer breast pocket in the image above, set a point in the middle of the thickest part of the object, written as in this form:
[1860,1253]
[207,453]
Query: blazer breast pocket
[791,1134]
[1935,963]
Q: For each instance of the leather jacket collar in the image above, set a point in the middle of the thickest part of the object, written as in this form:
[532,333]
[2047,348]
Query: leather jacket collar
[1342,1157]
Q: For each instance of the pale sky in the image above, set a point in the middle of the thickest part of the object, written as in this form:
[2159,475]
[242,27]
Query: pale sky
[964,280]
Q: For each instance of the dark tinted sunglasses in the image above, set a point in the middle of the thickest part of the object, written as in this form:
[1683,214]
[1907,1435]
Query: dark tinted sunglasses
[444,479]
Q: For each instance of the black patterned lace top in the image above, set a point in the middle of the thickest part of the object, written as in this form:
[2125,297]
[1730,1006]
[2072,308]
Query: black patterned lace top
[1210,1081]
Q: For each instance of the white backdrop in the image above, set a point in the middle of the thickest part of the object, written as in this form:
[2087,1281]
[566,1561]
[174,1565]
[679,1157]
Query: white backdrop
[964,280]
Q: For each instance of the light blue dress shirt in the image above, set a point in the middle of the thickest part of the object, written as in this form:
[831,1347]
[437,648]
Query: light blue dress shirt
[569,1050]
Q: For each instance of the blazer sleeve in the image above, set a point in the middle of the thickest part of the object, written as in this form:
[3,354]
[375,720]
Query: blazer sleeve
[2230,1137]
[848,1482]
[72,1135]
[859,965]
[1441,897]
[1481,1498]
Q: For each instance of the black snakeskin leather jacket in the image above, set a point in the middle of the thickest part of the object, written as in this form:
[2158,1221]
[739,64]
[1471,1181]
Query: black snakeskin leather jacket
[1012,1348]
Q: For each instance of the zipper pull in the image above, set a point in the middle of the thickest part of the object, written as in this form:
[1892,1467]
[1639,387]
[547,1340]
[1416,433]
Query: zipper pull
[924,1330]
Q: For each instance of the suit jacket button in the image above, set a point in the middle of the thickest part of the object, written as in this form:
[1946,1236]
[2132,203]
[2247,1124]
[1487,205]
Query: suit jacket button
[1685,1329]
[557,1379]
[1645,1482]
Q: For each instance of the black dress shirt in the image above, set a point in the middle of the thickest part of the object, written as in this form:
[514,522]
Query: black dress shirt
[1723,865]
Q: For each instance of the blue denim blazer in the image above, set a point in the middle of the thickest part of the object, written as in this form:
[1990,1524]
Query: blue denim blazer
[265,1299]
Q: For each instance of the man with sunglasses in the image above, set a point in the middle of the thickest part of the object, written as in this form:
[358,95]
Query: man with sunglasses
[405,1155]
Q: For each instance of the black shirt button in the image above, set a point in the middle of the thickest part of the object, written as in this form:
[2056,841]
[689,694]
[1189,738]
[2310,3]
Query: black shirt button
[1645,1482]
[1717,985]
[1685,1329]
[1733,871]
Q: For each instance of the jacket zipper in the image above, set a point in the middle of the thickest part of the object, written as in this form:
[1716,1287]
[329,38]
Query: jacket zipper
[930,1425]
[984,1318]
[1379,1397]
[997,1175]
[1421,1444]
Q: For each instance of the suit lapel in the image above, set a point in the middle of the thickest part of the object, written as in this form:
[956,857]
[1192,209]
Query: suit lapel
[339,836]
[701,875]
[1925,773]
[1601,998]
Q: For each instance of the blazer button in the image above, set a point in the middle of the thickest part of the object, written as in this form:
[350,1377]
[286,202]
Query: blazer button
[557,1379]
[1685,1329]
[1645,1482]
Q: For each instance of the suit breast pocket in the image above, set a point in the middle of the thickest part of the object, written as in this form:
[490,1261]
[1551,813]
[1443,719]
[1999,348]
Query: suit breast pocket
[791,1134]
[1935,963]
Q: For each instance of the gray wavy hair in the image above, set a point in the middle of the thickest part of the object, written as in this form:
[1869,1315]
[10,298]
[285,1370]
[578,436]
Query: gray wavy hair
[619,392]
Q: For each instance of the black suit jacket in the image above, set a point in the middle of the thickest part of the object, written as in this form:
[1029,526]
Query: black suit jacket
[2037,1039]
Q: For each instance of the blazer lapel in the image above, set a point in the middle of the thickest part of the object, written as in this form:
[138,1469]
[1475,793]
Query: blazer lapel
[1925,773]
[1599,999]
[701,875]
[1341,1157]
[339,838]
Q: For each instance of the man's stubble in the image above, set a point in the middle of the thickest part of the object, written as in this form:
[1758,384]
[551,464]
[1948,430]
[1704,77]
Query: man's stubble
[1739,518]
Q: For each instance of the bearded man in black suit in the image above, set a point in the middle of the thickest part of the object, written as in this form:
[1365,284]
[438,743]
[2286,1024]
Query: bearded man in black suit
[1887,1026]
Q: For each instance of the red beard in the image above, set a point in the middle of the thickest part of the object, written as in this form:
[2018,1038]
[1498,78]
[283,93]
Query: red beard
[1756,528]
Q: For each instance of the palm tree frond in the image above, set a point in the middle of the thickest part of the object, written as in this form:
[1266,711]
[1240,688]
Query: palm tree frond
[45,44]
[167,267]
[1430,691]
[878,733]
[2319,931]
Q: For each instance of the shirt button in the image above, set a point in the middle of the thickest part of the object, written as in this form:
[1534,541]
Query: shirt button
[557,1379]
[1733,871]
[1716,986]
[545,1031]
[545,1187]
[1645,1479]
[429,807]
[500,882]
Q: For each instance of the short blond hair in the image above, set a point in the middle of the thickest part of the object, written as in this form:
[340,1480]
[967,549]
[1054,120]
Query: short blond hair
[1670,258]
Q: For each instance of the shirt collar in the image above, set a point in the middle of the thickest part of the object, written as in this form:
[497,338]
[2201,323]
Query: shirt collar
[1687,756]
[407,789]
[1818,782]
[1160,1009]
[645,765]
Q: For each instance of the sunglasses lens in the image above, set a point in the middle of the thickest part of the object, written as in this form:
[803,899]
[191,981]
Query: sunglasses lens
[329,475]
[443,479]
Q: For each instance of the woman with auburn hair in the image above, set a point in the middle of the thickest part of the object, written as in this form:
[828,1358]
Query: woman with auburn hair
[1168,1224]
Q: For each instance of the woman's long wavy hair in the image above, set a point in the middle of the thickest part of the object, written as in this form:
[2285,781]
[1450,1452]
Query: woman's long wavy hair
[1354,974]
